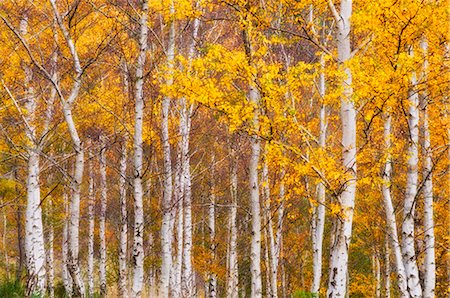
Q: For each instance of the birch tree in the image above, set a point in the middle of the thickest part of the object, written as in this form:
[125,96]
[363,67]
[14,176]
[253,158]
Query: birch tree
[102,216]
[407,245]
[166,233]
[233,272]
[123,272]
[428,226]
[339,248]
[91,228]
[138,241]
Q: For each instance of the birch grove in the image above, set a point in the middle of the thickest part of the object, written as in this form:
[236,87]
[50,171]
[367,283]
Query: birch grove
[185,148]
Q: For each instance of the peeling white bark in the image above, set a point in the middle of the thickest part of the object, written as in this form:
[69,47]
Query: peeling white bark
[67,280]
[123,241]
[167,206]
[50,256]
[34,231]
[387,269]
[408,250]
[188,283]
[212,282]
[102,217]
[429,282]
[343,225]
[319,209]
[255,254]
[74,209]
[390,213]
[233,272]
[138,240]
[91,227]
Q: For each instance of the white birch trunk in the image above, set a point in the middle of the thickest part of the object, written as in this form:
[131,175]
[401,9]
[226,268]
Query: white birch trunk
[267,263]
[74,209]
[102,217]
[319,210]
[428,222]
[255,205]
[91,228]
[50,256]
[4,244]
[390,212]
[123,241]
[138,240]
[339,248]
[188,283]
[408,250]
[34,231]
[377,274]
[233,273]
[176,288]
[272,242]
[387,269]
[212,282]
[255,254]
[167,208]
[67,280]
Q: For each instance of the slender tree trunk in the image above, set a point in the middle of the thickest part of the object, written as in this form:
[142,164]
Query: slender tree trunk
[102,217]
[34,231]
[255,255]
[377,274]
[267,264]
[339,247]
[138,240]
[123,242]
[176,289]
[233,273]
[255,205]
[167,208]
[74,208]
[390,213]
[408,250]
[91,228]
[428,222]
[272,239]
[212,282]
[4,244]
[387,269]
[67,280]
[319,210]
[188,283]
[20,248]
[50,256]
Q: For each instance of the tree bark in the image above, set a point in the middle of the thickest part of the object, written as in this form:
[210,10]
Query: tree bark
[102,216]
[74,208]
[67,280]
[138,240]
[34,230]
[91,228]
[233,272]
[390,213]
[319,209]
[339,248]
[428,222]
[123,241]
[387,269]
[50,256]
[408,250]
[167,208]
[212,282]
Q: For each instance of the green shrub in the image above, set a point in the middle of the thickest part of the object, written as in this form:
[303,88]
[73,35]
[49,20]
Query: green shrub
[305,294]
[12,289]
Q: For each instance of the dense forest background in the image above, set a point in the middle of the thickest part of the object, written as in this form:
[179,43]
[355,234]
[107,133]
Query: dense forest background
[236,148]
